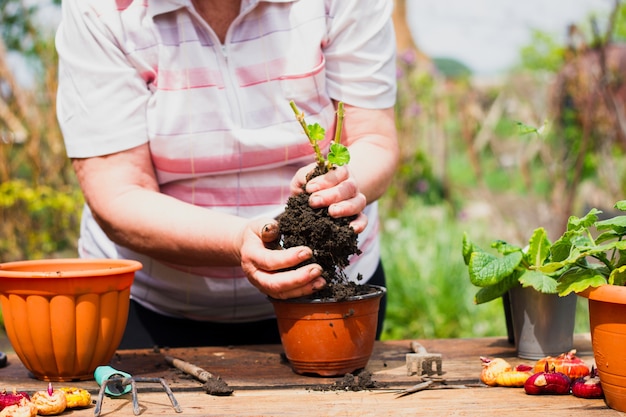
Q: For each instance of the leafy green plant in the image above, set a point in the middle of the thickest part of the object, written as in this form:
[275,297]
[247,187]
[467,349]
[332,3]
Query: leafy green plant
[582,261]
[338,153]
[496,274]
[575,262]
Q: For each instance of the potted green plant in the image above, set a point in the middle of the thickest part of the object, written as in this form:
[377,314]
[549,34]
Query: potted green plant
[331,332]
[542,321]
[589,259]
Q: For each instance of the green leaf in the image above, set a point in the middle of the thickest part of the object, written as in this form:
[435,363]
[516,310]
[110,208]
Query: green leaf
[621,205]
[606,236]
[316,132]
[579,279]
[504,247]
[565,247]
[468,248]
[538,247]
[486,269]
[487,294]
[525,129]
[618,276]
[540,282]
[617,224]
[339,154]
[575,223]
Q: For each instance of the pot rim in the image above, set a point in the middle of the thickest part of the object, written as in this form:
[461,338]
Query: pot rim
[46,268]
[607,292]
[379,293]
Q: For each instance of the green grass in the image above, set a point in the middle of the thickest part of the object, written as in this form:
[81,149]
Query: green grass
[430,295]
[429,292]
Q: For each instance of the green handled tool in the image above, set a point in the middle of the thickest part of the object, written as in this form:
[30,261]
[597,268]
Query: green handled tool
[116,383]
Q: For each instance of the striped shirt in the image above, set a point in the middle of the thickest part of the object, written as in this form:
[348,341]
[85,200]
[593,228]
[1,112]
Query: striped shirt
[216,116]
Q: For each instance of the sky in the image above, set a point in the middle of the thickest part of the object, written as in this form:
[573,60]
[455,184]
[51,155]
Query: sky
[486,35]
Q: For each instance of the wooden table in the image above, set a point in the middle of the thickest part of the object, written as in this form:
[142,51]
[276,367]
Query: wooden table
[265,385]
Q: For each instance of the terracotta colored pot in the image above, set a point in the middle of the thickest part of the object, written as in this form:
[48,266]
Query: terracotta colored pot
[328,338]
[65,317]
[607,321]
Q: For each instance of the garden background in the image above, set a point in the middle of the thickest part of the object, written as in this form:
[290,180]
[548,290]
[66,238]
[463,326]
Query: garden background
[494,158]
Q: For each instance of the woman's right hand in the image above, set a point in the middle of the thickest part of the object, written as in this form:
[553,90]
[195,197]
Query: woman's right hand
[271,270]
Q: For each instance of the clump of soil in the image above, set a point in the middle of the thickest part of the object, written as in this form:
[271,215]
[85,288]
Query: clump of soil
[217,386]
[359,381]
[332,240]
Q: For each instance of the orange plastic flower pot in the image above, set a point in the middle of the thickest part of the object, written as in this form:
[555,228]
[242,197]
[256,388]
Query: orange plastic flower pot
[607,321]
[65,317]
[327,337]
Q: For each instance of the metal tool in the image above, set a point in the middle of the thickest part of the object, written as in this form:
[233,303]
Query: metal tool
[415,388]
[434,383]
[116,383]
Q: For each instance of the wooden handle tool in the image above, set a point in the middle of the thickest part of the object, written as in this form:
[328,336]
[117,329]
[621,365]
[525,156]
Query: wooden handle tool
[213,384]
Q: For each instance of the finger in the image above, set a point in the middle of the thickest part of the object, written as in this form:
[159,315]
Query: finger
[270,232]
[328,180]
[291,284]
[339,193]
[349,207]
[300,179]
[360,223]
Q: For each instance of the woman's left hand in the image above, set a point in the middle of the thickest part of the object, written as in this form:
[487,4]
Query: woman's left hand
[337,190]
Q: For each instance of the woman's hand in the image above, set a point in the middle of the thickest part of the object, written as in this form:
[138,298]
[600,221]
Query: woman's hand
[265,267]
[337,190]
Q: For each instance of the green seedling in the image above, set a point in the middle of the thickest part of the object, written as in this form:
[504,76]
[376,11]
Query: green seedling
[338,153]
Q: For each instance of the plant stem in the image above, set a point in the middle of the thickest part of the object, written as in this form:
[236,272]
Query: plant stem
[339,126]
[300,117]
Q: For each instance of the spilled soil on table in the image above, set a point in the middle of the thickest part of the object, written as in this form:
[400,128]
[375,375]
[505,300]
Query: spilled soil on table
[358,381]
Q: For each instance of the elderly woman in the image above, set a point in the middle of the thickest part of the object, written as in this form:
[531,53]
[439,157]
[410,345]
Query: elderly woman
[176,116]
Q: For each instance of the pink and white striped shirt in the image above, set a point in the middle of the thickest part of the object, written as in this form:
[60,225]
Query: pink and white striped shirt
[217,116]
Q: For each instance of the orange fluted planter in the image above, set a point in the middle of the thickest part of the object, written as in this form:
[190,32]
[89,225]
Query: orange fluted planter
[328,338]
[607,320]
[65,317]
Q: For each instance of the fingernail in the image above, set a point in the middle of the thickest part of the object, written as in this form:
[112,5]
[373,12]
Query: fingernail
[312,187]
[335,209]
[315,272]
[318,284]
[315,201]
[304,254]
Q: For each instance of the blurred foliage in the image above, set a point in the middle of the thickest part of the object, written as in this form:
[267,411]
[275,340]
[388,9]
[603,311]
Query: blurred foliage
[496,159]
[543,53]
[40,217]
[40,204]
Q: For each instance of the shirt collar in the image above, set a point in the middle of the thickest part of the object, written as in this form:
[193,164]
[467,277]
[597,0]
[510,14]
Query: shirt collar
[156,7]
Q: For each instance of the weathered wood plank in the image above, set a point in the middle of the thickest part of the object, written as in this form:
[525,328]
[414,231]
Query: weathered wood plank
[265,385]
[304,403]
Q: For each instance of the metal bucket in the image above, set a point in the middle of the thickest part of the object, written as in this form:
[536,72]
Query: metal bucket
[543,324]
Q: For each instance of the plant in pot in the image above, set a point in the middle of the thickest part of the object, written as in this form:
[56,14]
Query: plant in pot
[589,259]
[542,322]
[331,332]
